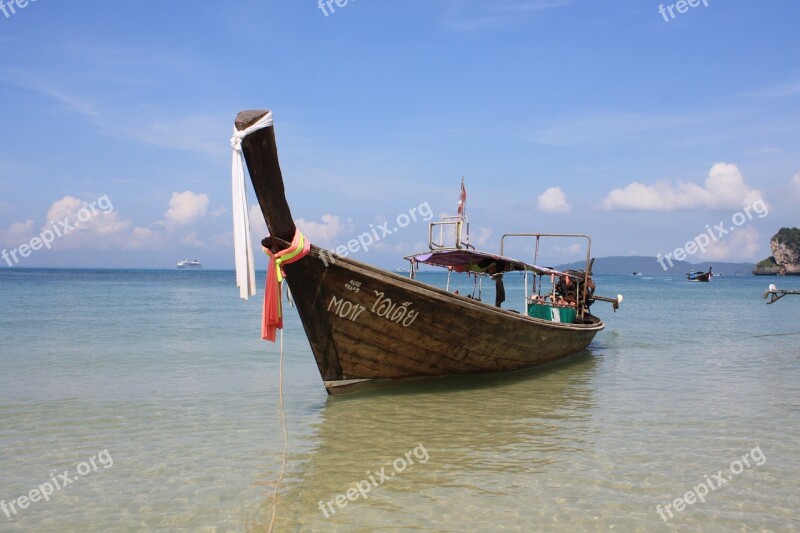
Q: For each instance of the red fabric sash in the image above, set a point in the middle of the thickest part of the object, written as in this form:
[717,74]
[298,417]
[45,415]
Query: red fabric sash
[272,315]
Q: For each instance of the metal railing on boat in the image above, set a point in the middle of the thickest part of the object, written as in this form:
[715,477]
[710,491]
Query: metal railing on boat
[581,304]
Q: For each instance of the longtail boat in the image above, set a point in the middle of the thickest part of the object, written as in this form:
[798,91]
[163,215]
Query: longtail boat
[700,276]
[774,293]
[368,326]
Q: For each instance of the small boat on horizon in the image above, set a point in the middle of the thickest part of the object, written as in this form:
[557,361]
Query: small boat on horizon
[699,276]
[186,263]
[368,326]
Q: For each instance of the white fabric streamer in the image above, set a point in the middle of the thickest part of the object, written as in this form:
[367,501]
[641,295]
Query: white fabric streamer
[242,242]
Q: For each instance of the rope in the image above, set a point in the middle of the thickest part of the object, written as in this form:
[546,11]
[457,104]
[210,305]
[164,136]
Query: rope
[272,319]
[285,440]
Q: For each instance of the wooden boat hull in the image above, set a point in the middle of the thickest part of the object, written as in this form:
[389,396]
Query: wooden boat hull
[364,323]
[704,277]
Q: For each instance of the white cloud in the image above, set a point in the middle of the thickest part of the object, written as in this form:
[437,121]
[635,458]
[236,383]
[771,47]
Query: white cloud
[661,196]
[553,200]
[741,244]
[100,220]
[94,227]
[724,188]
[327,232]
[97,225]
[66,207]
[794,186]
[18,233]
[186,207]
[727,188]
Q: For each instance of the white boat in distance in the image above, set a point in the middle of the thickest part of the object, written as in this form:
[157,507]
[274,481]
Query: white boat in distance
[194,263]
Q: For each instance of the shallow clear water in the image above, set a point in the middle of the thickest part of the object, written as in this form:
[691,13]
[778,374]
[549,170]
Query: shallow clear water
[166,372]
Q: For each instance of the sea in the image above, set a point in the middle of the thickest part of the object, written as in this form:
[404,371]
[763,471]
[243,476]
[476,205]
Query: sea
[145,400]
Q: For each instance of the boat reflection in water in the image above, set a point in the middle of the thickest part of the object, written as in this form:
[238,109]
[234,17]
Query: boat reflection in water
[493,445]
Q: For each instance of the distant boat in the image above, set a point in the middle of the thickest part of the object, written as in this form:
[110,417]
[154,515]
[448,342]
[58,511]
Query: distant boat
[637,273]
[699,276]
[186,263]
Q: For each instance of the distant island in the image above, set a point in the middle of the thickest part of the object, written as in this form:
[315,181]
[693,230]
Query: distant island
[785,259]
[649,266]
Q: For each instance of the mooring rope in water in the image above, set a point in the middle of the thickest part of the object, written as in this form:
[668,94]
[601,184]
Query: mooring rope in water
[285,439]
[272,320]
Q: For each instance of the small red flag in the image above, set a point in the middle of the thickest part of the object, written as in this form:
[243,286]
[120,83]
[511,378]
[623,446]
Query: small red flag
[462,200]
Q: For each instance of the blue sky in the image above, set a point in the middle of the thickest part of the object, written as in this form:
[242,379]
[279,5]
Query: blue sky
[568,116]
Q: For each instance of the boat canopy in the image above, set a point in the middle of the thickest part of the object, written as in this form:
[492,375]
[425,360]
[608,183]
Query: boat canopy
[463,260]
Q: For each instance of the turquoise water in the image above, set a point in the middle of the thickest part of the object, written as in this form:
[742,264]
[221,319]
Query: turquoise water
[165,372]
